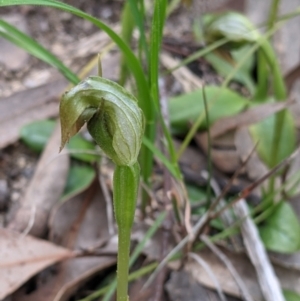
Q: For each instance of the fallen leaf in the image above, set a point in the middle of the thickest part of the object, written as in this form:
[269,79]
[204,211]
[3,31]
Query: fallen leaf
[246,118]
[9,52]
[44,190]
[24,107]
[223,153]
[21,257]
[289,279]
[183,75]
[244,145]
[291,261]
[78,223]
[182,286]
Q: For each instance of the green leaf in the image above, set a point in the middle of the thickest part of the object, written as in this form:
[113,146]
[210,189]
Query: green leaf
[151,146]
[224,68]
[264,133]
[80,177]
[133,62]
[291,296]
[196,194]
[80,145]
[36,135]
[186,108]
[233,26]
[281,231]
[31,46]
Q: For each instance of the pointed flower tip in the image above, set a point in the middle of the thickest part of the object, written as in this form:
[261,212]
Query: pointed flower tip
[112,114]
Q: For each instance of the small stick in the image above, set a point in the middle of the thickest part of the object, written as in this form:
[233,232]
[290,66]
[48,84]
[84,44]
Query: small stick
[244,290]
[268,281]
[210,273]
[108,202]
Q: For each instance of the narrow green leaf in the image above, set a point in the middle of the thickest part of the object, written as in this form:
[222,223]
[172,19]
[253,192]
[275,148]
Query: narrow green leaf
[161,157]
[31,46]
[139,20]
[281,231]
[186,108]
[264,133]
[80,177]
[133,63]
[127,24]
[156,37]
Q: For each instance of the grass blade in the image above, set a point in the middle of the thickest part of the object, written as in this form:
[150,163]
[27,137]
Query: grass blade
[144,96]
[133,63]
[25,42]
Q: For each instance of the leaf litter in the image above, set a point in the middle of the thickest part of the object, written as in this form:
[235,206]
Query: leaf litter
[64,220]
[22,257]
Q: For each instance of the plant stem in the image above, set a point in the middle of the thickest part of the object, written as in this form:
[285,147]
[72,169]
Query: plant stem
[261,93]
[123,264]
[126,180]
[273,13]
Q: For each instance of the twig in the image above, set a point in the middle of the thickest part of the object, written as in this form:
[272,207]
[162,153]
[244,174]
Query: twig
[108,202]
[226,215]
[210,273]
[245,192]
[268,281]
[191,235]
[42,192]
[244,291]
[177,248]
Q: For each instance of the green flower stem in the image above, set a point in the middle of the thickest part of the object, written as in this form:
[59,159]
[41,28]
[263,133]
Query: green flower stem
[125,189]
[273,13]
[261,93]
[280,94]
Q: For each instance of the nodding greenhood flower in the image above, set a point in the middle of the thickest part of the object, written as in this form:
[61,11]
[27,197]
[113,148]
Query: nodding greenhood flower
[233,26]
[112,114]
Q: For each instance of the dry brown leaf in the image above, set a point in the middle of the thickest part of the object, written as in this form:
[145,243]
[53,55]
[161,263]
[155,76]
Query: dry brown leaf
[24,107]
[244,145]
[247,118]
[182,286]
[229,146]
[289,279]
[21,257]
[79,223]
[291,261]
[13,57]
[44,190]
[183,75]
[223,152]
